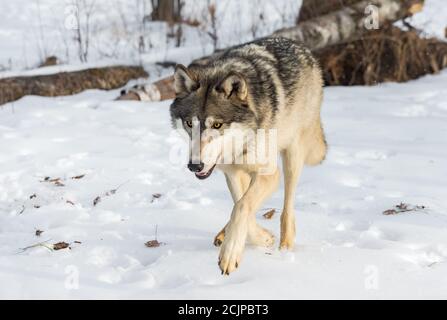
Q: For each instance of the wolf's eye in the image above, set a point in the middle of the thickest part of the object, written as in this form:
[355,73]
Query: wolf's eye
[217,125]
[189,123]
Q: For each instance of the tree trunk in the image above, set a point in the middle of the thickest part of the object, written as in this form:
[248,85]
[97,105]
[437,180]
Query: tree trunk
[337,27]
[67,83]
[166,10]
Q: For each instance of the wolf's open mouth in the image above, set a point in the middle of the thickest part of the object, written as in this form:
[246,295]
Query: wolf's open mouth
[204,175]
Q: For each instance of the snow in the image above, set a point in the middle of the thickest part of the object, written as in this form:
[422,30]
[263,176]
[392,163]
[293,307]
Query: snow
[41,28]
[432,19]
[387,146]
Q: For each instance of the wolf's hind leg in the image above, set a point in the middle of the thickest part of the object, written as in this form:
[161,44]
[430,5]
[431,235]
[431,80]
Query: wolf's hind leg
[317,145]
[259,236]
[293,162]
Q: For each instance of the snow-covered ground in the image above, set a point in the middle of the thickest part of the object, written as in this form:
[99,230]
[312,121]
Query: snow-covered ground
[387,145]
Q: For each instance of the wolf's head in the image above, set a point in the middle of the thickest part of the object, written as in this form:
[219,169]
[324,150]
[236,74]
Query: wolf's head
[210,104]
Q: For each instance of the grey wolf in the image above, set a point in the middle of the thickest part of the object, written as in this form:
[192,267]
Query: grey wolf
[271,83]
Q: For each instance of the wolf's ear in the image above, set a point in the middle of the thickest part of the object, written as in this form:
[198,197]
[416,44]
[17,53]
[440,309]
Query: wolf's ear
[234,86]
[183,80]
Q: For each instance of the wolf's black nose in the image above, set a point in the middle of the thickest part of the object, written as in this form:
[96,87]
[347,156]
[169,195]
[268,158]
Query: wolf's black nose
[195,167]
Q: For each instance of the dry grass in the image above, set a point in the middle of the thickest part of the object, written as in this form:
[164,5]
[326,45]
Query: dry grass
[390,54]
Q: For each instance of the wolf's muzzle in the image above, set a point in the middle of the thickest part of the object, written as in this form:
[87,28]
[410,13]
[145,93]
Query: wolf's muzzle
[196,167]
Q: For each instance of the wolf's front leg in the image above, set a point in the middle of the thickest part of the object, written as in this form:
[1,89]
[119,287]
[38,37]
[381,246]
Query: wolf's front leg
[238,182]
[234,242]
[236,231]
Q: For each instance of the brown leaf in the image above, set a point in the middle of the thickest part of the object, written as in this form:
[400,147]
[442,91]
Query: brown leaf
[403,207]
[70,202]
[78,177]
[78,242]
[153,244]
[55,181]
[110,192]
[60,245]
[390,212]
[38,232]
[107,194]
[33,196]
[156,196]
[96,200]
[269,214]
[36,206]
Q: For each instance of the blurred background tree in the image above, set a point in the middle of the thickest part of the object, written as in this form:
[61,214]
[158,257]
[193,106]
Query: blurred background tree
[166,10]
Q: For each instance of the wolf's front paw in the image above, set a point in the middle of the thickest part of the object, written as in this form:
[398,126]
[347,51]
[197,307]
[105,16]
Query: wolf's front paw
[230,255]
[219,238]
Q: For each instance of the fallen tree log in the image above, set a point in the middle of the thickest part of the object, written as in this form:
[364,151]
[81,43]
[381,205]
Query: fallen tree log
[314,8]
[337,27]
[67,83]
[157,91]
[349,22]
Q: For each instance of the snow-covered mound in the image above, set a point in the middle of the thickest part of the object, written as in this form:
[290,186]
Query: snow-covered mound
[387,146]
